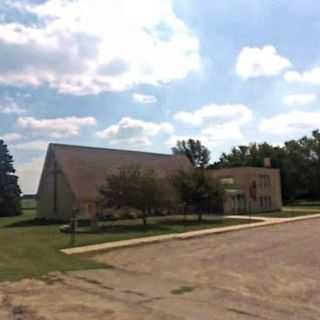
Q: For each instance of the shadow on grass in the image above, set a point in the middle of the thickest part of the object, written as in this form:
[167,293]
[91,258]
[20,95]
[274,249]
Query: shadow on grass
[157,227]
[191,222]
[303,203]
[125,229]
[34,223]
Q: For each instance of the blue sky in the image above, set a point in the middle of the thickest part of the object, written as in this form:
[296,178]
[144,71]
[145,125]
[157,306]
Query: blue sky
[141,74]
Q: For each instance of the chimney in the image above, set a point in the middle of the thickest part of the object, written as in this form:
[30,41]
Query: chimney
[267,162]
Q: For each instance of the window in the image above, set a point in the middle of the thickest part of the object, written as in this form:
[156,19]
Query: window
[234,203]
[264,181]
[227,181]
[269,202]
[239,204]
[261,202]
[268,182]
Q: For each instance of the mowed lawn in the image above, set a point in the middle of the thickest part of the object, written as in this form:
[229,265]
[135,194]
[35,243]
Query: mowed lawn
[33,251]
[296,210]
[30,249]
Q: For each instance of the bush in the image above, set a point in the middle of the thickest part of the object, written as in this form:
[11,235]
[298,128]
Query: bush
[133,188]
[198,189]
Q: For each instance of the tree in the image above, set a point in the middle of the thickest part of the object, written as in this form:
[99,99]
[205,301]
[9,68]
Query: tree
[194,150]
[9,188]
[298,161]
[199,190]
[136,188]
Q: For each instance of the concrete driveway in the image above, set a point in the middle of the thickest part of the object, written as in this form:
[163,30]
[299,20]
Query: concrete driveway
[265,273]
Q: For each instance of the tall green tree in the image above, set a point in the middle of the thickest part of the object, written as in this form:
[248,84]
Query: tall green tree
[298,161]
[199,190]
[137,188]
[195,151]
[9,188]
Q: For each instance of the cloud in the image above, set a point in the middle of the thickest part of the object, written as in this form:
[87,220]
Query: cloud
[212,136]
[292,122]
[216,114]
[56,128]
[8,106]
[144,99]
[29,175]
[218,123]
[11,137]
[299,100]
[310,77]
[36,145]
[85,47]
[130,131]
[256,62]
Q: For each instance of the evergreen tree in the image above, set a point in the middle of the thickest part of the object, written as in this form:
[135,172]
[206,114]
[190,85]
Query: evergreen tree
[9,188]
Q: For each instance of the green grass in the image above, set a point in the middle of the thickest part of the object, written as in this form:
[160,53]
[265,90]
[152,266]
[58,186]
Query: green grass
[31,249]
[291,212]
[34,251]
[306,204]
[182,290]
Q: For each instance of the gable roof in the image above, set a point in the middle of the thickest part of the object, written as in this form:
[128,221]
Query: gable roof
[86,168]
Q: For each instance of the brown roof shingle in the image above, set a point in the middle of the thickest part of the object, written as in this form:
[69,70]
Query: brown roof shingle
[86,168]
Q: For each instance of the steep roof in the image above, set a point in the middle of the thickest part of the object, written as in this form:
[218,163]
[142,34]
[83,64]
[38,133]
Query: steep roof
[86,168]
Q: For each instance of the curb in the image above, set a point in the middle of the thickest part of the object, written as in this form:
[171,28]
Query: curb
[182,236]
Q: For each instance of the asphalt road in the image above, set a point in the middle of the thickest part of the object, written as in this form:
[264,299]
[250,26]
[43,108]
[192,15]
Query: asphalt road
[265,273]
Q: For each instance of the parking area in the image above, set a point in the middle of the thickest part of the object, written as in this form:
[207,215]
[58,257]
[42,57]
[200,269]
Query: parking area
[265,273]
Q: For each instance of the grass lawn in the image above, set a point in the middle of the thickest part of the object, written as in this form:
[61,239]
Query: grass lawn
[291,212]
[29,249]
[33,251]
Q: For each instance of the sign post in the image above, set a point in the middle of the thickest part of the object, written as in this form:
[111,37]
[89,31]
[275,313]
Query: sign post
[73,225]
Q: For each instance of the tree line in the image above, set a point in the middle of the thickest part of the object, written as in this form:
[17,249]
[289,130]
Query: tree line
[298,161]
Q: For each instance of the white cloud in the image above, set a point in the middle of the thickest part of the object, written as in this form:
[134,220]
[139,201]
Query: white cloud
[56,128]
[218,123]
[212,136]
[86,47]
[37,145]
[292,122]
[130,131]
[299,100]
[256,62]
[29,175]
[311,77]
[8,106]
[144,99]
[11,137]
[216,114]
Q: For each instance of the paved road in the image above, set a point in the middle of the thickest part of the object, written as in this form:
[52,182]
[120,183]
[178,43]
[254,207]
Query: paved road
[265,273]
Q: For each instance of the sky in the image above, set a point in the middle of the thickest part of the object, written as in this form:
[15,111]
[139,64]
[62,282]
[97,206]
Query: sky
[142,74]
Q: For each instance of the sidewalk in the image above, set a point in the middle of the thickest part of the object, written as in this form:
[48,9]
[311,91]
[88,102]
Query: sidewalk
[265,221]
